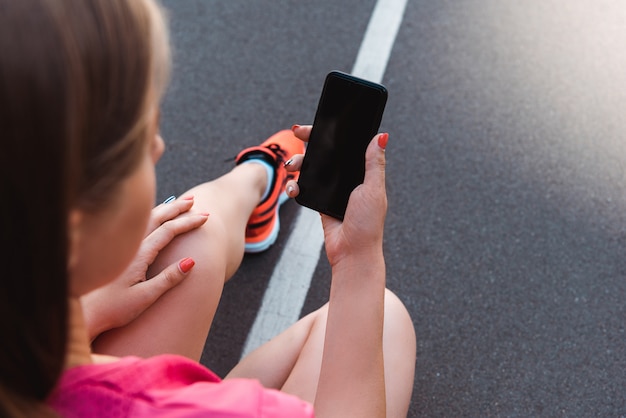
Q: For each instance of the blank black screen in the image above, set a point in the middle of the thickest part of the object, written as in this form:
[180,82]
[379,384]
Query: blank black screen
[348,116]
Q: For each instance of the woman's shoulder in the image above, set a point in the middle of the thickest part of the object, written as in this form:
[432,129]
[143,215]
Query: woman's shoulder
[133,386]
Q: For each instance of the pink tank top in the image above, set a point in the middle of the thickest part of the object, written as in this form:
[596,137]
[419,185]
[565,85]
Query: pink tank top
[166,386]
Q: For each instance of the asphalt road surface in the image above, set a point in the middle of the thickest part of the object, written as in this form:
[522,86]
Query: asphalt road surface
[506,230]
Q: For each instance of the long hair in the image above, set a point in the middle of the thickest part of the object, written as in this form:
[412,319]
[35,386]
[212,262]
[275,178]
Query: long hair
[76,80]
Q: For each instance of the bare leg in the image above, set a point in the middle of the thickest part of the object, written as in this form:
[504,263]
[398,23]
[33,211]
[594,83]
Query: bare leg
[292,360]
[179,321]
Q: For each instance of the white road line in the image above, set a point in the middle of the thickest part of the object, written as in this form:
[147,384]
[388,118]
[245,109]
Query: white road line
[290,281]
[284,297]
[378,41]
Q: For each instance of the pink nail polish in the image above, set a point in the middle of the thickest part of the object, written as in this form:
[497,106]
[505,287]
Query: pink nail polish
[186,264]
[294,127]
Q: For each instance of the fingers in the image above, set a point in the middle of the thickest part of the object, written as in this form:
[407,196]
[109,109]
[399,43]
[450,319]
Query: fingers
[165,233]
[168,211]
[292,189]
[151,290]
[294,163]
[144,294]
[302,131]
[375,160]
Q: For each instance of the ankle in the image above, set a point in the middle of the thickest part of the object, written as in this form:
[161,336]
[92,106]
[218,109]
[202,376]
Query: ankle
[257,179]
[266,175]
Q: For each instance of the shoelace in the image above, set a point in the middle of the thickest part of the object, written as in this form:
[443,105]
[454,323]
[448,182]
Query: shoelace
[280,153]
[275,148]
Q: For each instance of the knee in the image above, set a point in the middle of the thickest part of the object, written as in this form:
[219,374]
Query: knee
[399,348]
[398,322]
[395,306]
[398,325]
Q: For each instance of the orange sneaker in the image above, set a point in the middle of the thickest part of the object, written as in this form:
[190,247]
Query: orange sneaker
[264,224]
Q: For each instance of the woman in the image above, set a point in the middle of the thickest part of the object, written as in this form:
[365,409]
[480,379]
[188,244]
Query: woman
[80,85]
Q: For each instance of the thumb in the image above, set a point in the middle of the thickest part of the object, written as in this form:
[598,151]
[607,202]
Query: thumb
[375,161]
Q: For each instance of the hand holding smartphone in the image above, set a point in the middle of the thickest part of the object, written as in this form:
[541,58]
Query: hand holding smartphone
[348,116]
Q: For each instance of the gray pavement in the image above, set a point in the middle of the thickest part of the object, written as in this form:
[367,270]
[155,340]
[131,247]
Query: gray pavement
[506,230]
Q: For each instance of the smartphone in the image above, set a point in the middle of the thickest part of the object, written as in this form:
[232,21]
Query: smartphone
[348,116]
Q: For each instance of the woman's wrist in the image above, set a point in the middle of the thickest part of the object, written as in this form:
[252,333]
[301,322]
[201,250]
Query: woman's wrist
[94,324]
[366,265]
[365,254]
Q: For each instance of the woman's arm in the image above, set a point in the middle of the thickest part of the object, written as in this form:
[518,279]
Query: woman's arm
[352,376]
[352,379]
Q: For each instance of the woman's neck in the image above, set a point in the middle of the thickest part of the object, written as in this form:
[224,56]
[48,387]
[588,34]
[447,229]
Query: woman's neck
[78,347]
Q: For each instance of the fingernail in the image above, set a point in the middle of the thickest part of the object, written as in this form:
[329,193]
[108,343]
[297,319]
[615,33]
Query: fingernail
[188,198]
[294,127]
[288,162]
[382,140]
[289,190]
[207,214]
[169,199]
[186,264]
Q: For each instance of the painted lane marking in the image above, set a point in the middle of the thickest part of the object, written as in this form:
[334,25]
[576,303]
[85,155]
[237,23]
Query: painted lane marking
[286,292]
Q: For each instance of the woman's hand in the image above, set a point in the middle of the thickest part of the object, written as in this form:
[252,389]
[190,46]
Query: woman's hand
[361,231]
[124,299]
